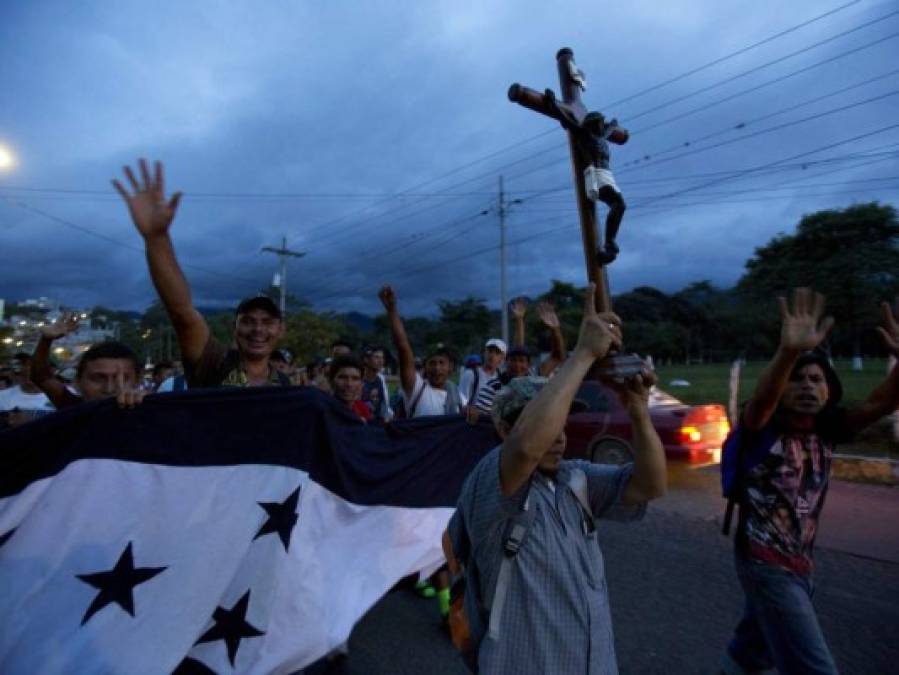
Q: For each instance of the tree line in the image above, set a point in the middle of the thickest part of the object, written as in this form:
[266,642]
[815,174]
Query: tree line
[851,255]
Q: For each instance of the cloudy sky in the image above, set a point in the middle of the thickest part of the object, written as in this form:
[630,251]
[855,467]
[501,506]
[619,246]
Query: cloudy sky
[373,135]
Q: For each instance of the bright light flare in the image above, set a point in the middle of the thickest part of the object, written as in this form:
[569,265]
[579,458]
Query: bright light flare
[7,158]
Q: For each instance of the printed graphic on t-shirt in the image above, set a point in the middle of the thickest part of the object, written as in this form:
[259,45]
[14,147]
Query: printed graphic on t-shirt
[785,496]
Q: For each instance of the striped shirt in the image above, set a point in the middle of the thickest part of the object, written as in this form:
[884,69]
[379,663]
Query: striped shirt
[556,615]
[488,386]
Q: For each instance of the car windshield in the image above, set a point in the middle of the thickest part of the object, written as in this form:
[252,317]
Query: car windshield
[592,397]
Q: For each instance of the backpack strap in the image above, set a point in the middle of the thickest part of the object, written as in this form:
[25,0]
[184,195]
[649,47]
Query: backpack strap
[411,412]
[736,493]
[515,535]
[453,405]
[475,385]
[577,483]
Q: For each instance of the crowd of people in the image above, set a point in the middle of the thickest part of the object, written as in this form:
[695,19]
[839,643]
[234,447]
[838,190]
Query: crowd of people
[526,518]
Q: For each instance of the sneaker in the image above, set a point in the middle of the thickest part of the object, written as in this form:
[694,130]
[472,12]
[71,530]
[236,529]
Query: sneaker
[425,589]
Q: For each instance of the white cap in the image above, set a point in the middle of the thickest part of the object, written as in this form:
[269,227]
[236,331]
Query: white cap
[496,342]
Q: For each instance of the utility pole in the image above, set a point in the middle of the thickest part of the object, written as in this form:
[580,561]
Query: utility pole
[283,253]
[504,300]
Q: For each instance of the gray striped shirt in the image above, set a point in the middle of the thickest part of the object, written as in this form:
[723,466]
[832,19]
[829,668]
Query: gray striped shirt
[556,616]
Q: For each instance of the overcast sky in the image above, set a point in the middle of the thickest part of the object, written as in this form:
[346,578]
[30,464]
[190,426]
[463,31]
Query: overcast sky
[372,135]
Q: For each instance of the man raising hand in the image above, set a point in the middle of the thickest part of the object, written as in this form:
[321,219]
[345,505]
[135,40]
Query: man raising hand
[258,325]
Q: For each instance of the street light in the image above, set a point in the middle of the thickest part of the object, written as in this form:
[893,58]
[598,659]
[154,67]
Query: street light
[7,158]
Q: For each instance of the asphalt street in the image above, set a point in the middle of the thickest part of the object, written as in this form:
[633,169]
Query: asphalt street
[674,594]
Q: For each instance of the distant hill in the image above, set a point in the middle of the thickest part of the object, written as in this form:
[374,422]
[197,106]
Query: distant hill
[363,322]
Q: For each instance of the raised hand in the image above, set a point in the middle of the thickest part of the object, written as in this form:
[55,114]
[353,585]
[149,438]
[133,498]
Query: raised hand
[519,308]
[802,327]
[62,326]
[388,298]
[599,332]
[128,397]
[634,391]
[547,314]
[151,213]
[890,329]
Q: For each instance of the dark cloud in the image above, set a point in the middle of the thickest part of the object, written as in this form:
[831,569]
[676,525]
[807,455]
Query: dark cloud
[375,101]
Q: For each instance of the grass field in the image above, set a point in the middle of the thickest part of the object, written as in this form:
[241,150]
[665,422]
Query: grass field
[709,383]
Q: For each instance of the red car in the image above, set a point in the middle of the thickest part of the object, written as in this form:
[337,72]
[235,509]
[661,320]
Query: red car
[599,428]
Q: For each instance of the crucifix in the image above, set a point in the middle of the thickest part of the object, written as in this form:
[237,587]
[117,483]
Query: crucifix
[588,137]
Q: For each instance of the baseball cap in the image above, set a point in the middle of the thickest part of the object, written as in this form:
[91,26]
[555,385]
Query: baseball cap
[515,396]
[473,360]
[519,350]
[440,349]
[262,302]
[496,342]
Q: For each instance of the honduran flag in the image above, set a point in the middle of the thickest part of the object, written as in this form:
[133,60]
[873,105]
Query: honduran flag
[220,531]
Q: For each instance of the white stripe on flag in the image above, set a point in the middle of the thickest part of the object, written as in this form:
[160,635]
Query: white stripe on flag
[199,524]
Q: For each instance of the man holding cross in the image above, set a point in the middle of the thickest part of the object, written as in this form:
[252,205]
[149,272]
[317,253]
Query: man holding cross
[555,617]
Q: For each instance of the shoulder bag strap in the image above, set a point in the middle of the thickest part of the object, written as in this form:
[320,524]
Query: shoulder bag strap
[411,413]
[511,545]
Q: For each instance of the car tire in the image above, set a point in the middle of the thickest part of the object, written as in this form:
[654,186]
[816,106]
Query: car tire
[611,451]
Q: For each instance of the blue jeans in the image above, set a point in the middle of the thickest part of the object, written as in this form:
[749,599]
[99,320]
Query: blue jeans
[779,626]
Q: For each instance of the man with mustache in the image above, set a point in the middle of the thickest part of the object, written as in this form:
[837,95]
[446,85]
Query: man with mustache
[526,520]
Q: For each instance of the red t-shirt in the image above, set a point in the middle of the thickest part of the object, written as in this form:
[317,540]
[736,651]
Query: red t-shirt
[361,408]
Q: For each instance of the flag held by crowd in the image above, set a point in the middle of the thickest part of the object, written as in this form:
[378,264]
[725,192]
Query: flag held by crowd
[226,531]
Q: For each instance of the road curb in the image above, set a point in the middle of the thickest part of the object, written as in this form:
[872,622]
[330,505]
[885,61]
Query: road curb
[860,469]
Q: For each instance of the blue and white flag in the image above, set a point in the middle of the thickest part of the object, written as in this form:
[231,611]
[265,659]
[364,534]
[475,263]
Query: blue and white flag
[225,531]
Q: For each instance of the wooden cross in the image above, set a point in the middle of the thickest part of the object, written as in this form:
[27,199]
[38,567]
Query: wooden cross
[570,112]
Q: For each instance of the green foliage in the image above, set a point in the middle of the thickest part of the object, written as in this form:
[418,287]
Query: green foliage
[462,325]
[850,255]
[309,335]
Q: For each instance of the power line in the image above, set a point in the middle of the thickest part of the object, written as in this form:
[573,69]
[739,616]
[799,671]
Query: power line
[756,69]
[717,102]
[769,130]
[669,196]
[763,85]
[779,167]
[722,59]
[493,172]
[111,240]
[786,159]
[731,173]
[744,124]
[249,195]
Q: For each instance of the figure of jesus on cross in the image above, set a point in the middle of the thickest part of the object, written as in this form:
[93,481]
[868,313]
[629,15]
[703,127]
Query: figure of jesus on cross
[589,137]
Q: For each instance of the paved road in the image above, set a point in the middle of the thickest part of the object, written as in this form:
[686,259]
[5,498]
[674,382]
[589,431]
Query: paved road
[675,598]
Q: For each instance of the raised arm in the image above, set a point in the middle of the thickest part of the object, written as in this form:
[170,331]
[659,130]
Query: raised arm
[543,420]
[152,216]
[400,340]
[802,329]
[884,399]
[649,479]
[519,309]
[558,350]
[40,361]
